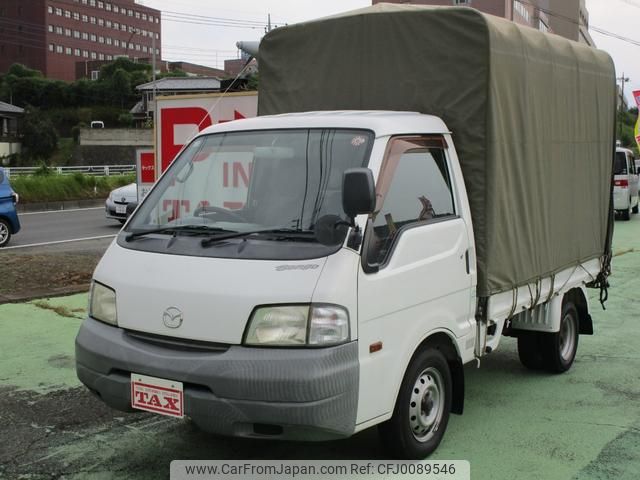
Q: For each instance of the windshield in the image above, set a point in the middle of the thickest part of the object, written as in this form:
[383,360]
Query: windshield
[255,181]
[620,166]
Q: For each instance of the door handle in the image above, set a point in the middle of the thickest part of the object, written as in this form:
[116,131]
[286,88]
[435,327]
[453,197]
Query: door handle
[466,261]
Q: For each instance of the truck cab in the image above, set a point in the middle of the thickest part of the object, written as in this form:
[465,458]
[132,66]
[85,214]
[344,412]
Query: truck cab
[246,278]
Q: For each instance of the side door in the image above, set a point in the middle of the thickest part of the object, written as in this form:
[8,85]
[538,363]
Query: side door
[415,273]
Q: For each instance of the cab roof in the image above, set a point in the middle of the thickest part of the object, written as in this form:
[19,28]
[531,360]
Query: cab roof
[381,122]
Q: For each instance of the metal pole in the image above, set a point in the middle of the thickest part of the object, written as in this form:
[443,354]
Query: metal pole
[153,66]
[622,80]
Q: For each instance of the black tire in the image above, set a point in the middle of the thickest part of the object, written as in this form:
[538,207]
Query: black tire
[428,380]
[635,209]
[122,222]
[530,350]
[5,233]
[626,214]
[559,349]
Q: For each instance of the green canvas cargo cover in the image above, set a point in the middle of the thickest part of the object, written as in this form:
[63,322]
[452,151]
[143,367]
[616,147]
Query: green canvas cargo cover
[532,117]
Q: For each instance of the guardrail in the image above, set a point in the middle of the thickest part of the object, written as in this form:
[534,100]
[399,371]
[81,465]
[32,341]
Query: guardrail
[103,170]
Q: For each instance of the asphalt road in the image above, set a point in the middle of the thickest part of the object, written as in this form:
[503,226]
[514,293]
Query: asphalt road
[63,225]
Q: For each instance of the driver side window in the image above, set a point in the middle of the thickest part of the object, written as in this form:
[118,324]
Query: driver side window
[414,190]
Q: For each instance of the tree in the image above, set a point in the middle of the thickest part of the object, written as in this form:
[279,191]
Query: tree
[253,82]
[40,138]
[55,94]
[139,77]
[108,71]
[120,87]
[173,73]
[19,70]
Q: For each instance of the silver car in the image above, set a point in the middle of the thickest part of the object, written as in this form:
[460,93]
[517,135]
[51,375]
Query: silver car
[121,202]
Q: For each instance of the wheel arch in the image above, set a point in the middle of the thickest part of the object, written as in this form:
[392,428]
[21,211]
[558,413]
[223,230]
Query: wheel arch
[444,343]
[9,222]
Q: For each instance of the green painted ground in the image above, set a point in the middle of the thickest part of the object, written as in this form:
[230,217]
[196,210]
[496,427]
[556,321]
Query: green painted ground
[517,425]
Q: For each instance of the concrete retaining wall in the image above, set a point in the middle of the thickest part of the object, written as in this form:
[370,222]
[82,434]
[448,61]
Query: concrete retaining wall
[103,155]
[116,137]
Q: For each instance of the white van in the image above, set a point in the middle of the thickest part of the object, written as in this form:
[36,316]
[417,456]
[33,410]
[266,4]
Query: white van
[625,184]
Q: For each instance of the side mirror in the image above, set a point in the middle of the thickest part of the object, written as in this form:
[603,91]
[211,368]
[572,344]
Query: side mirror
[358,192]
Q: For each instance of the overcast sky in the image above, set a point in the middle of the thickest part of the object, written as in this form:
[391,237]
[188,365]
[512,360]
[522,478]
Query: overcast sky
[209,44]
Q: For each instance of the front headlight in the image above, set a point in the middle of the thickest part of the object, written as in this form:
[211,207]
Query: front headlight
[102,303]
[298,325]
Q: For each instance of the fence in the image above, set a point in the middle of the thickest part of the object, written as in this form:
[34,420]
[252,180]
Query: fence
[105,170]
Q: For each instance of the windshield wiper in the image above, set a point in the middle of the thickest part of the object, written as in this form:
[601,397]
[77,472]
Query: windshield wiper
[281,232]
[200,229]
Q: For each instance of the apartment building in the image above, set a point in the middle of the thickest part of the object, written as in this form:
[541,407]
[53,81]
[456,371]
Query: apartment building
[571,20]
[568,18]
[54,35]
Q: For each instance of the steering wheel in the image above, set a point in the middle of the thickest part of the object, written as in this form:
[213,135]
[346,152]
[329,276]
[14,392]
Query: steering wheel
[218,210]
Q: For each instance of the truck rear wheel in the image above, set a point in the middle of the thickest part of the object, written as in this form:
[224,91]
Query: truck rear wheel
[422,409]
[530,350]
[626,214]
[560,348]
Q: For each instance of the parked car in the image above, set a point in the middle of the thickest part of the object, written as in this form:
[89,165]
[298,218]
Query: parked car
[121,202]
[625,184]
[9,222]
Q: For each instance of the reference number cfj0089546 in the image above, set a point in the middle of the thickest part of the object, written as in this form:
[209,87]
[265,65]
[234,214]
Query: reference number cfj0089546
[323,469]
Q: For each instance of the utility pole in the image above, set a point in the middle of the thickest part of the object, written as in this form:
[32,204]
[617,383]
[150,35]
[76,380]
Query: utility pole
[622,80]
[153,67]
[267,29]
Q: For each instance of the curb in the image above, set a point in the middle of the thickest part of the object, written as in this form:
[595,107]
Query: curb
[50,293]
[33,207]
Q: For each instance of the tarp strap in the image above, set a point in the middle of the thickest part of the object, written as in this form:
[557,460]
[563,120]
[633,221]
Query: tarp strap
[514,302]
[553,284]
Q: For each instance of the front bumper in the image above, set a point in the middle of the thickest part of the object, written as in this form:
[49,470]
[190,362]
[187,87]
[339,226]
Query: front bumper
[110,210]
[294,394]
[621,199]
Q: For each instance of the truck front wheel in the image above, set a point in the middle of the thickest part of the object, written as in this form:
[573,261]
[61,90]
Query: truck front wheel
[422,409]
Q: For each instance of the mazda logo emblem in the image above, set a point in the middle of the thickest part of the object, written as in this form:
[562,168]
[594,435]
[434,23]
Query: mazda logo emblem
[172,317]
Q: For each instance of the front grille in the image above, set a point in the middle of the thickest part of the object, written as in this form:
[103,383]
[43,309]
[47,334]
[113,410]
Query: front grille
[174,343]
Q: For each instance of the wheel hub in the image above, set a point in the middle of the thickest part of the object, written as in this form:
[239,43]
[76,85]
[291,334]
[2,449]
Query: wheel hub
[426,404]
[567,337]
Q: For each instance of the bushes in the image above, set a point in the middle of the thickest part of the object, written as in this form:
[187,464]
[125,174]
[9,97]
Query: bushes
[115,87]
[40,136]
[65,119]
[51,187]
